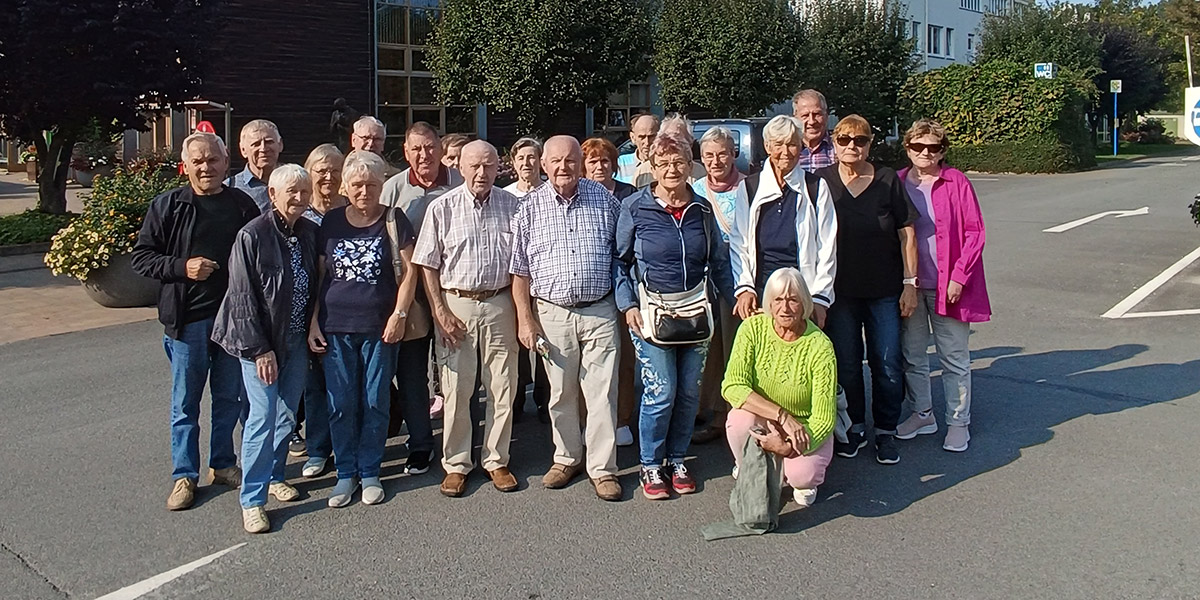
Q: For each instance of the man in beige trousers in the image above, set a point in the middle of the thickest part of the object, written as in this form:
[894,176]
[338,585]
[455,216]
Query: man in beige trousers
[562,266]
[464,249]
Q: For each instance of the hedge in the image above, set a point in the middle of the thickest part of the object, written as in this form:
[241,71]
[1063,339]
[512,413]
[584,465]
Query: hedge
[31,227]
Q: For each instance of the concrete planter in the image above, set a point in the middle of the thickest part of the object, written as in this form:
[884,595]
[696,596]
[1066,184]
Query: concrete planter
[86,178]
[31,170]
[117,285]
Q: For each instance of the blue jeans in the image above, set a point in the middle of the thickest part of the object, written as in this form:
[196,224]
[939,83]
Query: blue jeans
[670,398]
[271,420]
[316,410]
[879,318]
[194,360]
[358,369]
[412,384]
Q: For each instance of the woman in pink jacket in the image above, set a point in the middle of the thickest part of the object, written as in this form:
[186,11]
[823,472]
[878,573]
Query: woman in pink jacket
[952,291]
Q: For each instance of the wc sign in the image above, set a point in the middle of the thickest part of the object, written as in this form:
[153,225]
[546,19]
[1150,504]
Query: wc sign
[1191,111]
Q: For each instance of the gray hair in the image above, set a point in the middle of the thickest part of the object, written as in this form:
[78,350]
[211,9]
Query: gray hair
[285,175]
[679,123]
[719,135]
[324,152]
[205,137]
[811,94]
[358,162]
[785,280]
[526,142]
[372,121]
[261,125]
[780,129]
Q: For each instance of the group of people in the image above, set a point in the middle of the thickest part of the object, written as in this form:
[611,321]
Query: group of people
[636,293]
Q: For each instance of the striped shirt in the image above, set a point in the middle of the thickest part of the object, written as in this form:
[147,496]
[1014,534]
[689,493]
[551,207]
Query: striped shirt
[627,165]
[823,156]
[468,241]
[565,245]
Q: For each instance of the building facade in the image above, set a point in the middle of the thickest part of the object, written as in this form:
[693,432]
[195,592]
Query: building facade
[947,31]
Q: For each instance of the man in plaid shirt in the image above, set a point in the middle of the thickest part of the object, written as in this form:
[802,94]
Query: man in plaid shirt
[812,112]
[562,267]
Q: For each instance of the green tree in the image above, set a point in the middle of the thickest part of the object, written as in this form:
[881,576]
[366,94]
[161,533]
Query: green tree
[538,58]
[1038,34]
[732,57]
[1137,60]
[65,65]
[858,53]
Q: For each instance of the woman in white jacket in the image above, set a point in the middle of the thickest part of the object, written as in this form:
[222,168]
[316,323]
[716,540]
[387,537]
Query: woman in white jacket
[787,219]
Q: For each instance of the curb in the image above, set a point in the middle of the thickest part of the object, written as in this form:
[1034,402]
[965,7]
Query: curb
[20,249]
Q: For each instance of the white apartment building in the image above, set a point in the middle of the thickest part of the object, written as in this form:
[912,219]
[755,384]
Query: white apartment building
[947,31]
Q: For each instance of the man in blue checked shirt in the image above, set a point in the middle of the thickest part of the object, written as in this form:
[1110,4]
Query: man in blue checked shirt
[562,266]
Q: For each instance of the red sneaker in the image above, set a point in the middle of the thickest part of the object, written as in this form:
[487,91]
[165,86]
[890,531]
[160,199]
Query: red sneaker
[681,480]
[653,486]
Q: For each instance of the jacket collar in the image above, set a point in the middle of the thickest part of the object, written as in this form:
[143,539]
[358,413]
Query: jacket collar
[646,200]
[770,189]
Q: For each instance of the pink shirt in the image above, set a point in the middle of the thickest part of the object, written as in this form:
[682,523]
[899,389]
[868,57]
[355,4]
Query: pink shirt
[960,237]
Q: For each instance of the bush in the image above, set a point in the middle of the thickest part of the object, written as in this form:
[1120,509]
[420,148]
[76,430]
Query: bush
[1014,157]
[112,215]
[1149,131]
[31,227]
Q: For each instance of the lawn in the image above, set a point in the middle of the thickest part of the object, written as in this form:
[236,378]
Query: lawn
[1129,150]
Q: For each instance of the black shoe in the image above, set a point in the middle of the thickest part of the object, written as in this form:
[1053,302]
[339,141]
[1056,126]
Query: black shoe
[417,463]
[849,449]
[544,415]
[296,445]
[885,449]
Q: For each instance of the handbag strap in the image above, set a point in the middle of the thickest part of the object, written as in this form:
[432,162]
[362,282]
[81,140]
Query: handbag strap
[393,235]
[640,277]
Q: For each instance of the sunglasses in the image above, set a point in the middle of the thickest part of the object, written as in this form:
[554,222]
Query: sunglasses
[860,141]
[932,148]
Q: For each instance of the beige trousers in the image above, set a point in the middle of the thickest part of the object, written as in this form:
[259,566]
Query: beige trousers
[584,351]
[489,343]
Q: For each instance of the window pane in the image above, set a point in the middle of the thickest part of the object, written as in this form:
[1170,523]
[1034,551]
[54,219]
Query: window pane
[395,118]
[390,24]
[460,119]
[393,90]
[421,25]
[639,95]
[418,61]
[391,59]
[422,91]
[432,116]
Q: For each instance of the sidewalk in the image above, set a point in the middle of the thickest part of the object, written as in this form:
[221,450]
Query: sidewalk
[18,193]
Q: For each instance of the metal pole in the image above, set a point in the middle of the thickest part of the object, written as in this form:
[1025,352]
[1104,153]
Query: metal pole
[926,48]
[1115,130]
[1187,46]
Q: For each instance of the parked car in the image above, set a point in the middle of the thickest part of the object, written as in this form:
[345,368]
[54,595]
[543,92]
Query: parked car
[747,136]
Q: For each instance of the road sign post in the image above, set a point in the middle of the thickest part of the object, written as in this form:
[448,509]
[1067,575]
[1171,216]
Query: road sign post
[1114,86]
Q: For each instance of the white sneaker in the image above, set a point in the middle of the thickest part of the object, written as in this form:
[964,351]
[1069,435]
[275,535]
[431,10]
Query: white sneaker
[372,490]
[957,437]
[313,467]
[916,425]
[254,520]
[343,492]
[624,436]
[804,498]
[735,472]
[283,491]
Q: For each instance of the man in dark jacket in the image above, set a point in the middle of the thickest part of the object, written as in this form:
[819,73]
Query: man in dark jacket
[185,243]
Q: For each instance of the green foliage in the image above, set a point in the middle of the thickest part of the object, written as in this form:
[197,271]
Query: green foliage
[1137,60]
[1149,131]
[97,147]
[31,227]
[538,58]
[999,107]
[733,57]
[1036,34]
[112,215]
[858,53]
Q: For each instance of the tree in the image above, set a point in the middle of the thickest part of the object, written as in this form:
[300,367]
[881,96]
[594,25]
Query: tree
[1039,34]
[858,53]
[65,64]
[1137,60]
[538,58]
[733,57]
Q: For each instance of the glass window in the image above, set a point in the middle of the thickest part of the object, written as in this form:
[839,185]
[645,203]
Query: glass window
[421,25]
[949,42]
[460,119]
[934,40]
[389,23]
[393,90]
[418,61]
[394,118]
[391,59]
[433,116]
[916,30]
[423,91]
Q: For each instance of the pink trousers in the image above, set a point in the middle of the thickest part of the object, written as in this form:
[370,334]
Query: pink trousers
[804,472]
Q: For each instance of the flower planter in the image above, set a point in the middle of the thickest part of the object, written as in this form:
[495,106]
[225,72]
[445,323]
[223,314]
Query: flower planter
[86,178]
[117,285]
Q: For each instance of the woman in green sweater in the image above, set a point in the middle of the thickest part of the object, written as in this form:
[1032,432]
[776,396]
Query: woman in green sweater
[782,377]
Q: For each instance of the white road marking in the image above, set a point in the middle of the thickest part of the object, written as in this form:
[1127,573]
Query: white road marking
[146,586]
[1163,313]
[1119,311]
[1191,158]
[1145,210]
[990,178]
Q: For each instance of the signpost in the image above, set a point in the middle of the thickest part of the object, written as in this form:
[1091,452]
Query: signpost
[1114,86]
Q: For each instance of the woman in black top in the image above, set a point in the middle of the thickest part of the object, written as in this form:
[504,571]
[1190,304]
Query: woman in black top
[875,285]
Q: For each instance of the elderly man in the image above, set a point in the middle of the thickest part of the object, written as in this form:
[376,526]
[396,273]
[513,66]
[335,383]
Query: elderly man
[642,130]
[563,247]
[679,126]
[810,109]
[465,246]
[260,144]
[185,242]
[369,135]
[412,190]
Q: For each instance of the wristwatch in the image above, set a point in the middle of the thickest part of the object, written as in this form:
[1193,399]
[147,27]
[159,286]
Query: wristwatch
[401,314]
[911,281]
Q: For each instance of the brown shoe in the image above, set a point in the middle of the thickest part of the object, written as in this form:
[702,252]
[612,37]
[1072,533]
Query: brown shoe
[608,488]
[182,495]
[454,485]
[503,479]
[230,476]
[560,475]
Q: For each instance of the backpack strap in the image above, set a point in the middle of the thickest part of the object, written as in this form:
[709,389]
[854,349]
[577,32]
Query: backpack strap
[812,184]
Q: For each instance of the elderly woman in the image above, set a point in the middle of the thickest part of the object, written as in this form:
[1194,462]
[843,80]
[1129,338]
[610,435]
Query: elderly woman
[680,127]
[875,286]
[671,248]
[951,290]
[788,220]
[722,187]
[324,165]
[263,321]
[781,383]
[452,146]
[364,301]
[526,156]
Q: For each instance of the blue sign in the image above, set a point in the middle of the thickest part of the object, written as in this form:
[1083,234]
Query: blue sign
[1045,70]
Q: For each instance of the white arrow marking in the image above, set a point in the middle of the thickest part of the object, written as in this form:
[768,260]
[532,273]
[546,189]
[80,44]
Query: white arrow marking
[144,587]
[1124,306]
[1145,210]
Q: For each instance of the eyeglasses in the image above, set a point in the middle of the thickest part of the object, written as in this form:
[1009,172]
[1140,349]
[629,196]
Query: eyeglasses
[675,165]
[860,141]
[918,148]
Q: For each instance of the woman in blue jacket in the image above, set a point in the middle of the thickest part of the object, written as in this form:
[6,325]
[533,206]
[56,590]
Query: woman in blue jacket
[669,249]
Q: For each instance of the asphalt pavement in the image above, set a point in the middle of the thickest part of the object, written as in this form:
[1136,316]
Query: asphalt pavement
[1080,482]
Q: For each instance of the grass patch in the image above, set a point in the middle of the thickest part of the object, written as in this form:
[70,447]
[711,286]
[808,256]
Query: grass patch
[31,227]
[1131,150]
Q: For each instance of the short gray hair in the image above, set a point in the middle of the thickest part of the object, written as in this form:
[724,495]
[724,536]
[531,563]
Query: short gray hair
[359,161]
[205,137]
[811,94]
[372,121]
[785,280]
[677,122]
[285,175]
[324,152]
[719,135]
[526,142]
[781,128]
[261,125]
